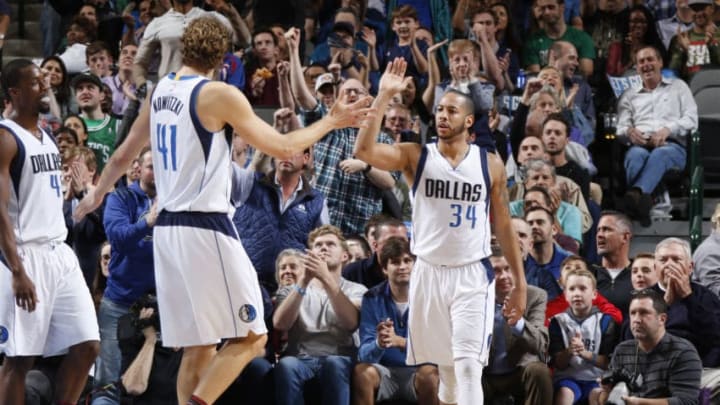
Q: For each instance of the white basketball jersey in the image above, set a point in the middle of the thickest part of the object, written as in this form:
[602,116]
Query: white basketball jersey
[450,218]
[36,198]
[192,165]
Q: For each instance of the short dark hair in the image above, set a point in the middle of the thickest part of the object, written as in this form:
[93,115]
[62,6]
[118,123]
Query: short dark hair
[12,74]
[543,209]
[66,130]
[97,47]
[373,222]
[264,30]
[658,54]
[541,190]
[87,26]
[361,241]
[560,117]
[483,10]
[658,301]
[467,100]
[620,218]
[395,248]
[404,11]
[387,221]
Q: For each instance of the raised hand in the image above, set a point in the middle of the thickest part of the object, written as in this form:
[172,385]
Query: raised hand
[283,69]
[515,305]
[355,115]
[292,37]
[394,80]
[504,61]
[368,34]
[435,47]
[683,39]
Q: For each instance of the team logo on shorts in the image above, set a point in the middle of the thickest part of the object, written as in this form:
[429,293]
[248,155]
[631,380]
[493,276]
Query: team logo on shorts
[247,313]
[4,335]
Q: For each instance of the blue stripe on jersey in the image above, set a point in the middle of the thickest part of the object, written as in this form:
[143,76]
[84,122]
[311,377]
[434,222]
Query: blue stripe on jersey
[420,168]
[229,136]
[49,135]
[486,177]
[174,76]
[488,269]
[214,221]
[204,135]
[16,166]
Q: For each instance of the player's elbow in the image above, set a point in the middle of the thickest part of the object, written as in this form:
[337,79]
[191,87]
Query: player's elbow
[361,152]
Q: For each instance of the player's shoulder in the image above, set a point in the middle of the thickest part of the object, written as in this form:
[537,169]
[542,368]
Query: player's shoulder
[8,143]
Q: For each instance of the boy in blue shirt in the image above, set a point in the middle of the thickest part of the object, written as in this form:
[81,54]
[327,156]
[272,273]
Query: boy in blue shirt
[381,374]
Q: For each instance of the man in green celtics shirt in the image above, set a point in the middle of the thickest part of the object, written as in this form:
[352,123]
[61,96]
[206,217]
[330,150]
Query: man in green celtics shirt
[535,52]
[102,127]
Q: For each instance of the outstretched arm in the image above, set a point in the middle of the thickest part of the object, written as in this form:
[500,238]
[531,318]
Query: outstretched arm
[120,160]
[221,104]
[399,156]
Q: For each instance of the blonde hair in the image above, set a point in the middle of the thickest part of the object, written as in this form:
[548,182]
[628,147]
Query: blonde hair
[327,230]
[205,41]
[460,46]
[582,273]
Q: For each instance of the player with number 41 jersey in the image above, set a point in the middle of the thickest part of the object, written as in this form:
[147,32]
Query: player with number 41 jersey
[192,166]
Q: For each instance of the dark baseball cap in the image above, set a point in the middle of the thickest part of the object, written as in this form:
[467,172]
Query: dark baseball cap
[344,27]
[85,78]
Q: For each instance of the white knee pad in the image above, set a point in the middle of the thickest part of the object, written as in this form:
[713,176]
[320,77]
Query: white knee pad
[448,385]
[468,372]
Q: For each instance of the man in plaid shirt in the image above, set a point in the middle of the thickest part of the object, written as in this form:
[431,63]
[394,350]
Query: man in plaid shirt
[353,188]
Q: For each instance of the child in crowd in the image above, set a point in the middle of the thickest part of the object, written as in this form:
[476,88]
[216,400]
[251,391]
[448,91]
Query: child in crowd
[581,341]
[560,304]
[404,24]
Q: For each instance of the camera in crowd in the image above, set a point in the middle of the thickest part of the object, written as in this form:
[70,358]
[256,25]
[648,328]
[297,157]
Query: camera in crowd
[623,382]
[146,301]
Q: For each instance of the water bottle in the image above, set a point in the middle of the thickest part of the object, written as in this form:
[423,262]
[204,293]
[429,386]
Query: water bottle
[521,79]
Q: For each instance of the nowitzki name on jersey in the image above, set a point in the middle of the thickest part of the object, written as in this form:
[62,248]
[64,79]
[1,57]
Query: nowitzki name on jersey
[453,190]
[169,103]
[47,162]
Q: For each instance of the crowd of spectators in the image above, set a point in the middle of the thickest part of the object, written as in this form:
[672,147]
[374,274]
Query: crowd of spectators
[329,234]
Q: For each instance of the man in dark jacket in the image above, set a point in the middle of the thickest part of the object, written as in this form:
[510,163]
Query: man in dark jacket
[130,214]
[276,211]
[693,310]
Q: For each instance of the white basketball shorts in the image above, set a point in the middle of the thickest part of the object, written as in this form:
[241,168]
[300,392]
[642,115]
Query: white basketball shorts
[207,288]
[452,310]
[64,315]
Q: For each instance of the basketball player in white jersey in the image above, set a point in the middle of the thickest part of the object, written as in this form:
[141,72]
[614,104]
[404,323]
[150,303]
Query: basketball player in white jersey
[207,288]
[45,305]
[456,186]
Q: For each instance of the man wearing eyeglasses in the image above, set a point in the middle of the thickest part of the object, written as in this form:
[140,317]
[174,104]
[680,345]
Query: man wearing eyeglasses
[662,368]
[130,214]
[693,310]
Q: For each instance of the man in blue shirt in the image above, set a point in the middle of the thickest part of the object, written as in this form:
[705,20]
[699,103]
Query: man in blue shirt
[382,374]
[546,256]
[130,215]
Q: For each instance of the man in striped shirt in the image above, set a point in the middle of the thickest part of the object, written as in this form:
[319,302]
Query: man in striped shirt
[664,367]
